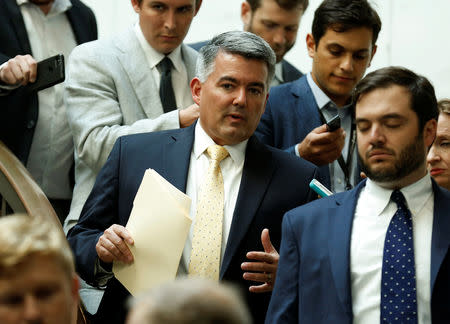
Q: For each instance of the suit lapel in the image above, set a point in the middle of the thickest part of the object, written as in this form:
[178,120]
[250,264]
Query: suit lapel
[440,241]
[176,157]
[256,176]
[190,60]
[134,63]
[341,220]
[78,25]
[16,19]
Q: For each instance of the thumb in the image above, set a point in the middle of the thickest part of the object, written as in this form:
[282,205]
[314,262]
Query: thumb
[265,240]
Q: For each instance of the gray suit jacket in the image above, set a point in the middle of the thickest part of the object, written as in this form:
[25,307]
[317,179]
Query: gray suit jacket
[110,92]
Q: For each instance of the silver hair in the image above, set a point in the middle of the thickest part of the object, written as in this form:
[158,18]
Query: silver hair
[191,301]
[241,43]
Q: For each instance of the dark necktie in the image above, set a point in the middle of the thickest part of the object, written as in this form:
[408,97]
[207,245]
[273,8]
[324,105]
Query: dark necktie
[165,86]
[398,277]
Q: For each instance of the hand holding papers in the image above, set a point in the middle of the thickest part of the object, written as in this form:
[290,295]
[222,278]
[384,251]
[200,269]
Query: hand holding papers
[159,224]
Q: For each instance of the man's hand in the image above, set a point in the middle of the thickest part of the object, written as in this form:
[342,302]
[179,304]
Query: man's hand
[19,70]
[321,146]
[111,245]
[265,269]
[189,115]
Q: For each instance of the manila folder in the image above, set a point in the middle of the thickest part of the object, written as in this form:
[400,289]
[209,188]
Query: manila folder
[159,224]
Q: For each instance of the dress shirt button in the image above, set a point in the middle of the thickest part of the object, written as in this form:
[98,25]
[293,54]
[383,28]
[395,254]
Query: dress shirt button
[30,124]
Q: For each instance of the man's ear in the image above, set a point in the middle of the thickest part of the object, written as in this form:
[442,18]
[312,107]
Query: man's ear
[310,45]
[374,50]
[136,6]
[429,132]
[246,14]
[197,6]
[196,89]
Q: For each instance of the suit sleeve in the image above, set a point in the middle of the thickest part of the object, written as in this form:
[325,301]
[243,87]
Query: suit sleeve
[283,307]
[99,213]
[94,106]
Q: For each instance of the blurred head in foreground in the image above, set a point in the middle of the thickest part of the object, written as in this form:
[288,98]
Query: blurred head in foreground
[190,301]
[38,283]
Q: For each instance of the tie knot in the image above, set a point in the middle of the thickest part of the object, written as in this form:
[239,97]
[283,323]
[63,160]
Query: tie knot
[398,198]
[165,65]
[217,152]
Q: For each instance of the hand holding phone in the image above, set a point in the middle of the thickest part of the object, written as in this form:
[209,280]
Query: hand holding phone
[49,72]
[334,123]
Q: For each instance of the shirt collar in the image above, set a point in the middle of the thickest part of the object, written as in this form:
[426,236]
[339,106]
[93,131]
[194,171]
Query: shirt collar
[203,141]
[323,101]
[153,56]
[416,195]
[58,6]
[279,72]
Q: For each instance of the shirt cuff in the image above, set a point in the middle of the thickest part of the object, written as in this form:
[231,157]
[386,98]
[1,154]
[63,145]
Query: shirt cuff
[101,273]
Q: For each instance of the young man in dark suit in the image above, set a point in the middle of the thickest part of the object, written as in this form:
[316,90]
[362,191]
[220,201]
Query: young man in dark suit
[259,183]
[342,45]
[379,253]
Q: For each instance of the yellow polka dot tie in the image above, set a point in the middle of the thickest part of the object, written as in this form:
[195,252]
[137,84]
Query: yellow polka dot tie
[207,233]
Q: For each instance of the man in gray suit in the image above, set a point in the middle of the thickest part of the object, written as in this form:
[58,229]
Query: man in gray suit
[113,87]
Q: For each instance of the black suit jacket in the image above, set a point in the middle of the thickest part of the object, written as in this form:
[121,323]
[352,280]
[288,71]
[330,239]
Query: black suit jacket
[19,109]
[273,182]
[290,73]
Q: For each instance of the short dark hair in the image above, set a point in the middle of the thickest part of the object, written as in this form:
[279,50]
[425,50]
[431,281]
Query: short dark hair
[342,15]
[423,97]
[285,4]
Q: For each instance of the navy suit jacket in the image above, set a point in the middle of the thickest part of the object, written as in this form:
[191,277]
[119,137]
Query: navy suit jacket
[19,109]
[313,278]
[273,182]
[291,114]
[289,72]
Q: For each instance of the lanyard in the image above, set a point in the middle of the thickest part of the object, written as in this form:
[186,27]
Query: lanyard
[345,166]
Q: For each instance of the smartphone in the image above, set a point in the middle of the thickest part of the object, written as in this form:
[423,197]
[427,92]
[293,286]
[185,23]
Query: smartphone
[49,72]
[334,123]
[319,188]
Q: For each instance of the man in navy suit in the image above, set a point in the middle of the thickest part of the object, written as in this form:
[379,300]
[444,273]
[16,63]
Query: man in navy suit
[336,252]
[277,22]
[34,125]
[342,45]
[260,183]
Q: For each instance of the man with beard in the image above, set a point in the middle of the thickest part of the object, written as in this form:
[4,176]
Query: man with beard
[380,252]
[277,22]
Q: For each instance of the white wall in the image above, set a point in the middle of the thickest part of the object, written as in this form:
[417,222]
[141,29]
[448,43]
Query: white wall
[414,32]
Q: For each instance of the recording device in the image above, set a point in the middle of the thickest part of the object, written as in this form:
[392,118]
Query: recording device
[49,72]
[334,123]
[319,188]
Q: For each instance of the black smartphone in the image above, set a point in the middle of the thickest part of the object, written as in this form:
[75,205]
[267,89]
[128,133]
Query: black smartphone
[334,123]
[49,72]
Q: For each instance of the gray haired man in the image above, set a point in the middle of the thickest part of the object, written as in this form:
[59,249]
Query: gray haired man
[257,184]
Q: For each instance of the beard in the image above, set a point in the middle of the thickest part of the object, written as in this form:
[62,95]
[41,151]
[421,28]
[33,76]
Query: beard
[410,159]
[279,50]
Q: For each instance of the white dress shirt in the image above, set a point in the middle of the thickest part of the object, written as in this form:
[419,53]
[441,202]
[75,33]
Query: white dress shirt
[329,110]
[180,81]
[51,152]
[373,214]
[231,168]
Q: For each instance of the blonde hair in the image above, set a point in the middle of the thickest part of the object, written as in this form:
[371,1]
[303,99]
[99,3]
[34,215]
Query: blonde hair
[444,106]
[23,236]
